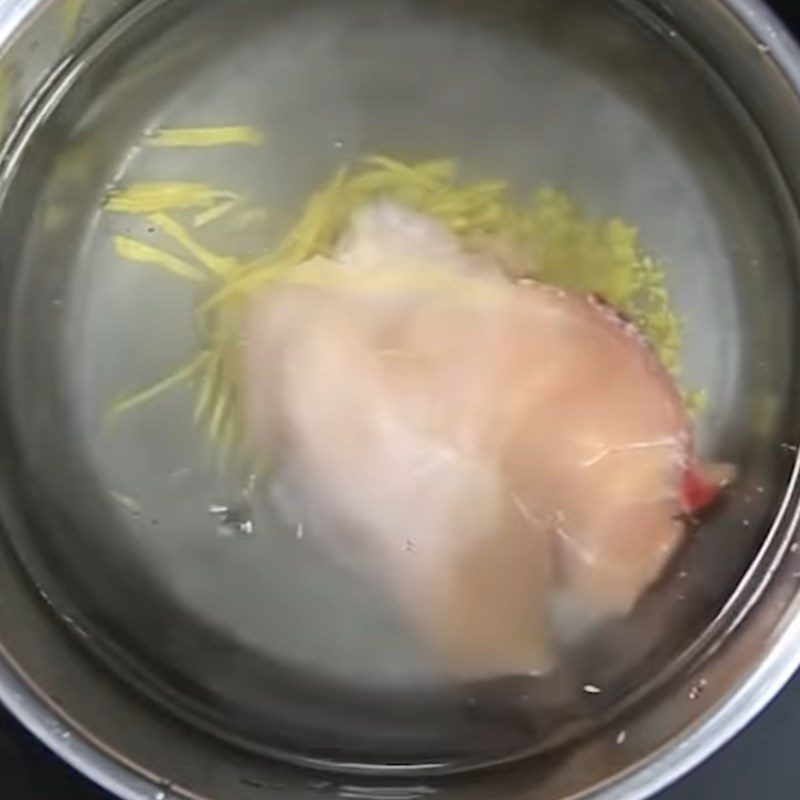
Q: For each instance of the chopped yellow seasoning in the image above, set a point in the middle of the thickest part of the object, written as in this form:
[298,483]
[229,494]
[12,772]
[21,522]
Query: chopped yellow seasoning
[696,401]
[206,137]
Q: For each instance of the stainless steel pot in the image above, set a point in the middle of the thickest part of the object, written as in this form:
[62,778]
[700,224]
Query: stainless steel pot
[682,115]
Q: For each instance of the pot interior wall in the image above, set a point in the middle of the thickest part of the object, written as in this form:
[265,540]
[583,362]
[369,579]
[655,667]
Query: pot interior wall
[262,640]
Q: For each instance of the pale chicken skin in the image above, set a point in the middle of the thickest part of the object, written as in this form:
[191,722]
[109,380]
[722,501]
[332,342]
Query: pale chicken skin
[477,447]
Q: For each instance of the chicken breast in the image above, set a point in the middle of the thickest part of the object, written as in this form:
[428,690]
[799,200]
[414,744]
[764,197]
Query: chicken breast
[476,447]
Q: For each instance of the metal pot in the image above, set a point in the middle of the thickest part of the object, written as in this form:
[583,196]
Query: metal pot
[681,115]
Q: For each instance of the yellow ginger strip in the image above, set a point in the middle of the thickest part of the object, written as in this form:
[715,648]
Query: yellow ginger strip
[206,137]
[222,266]
[143,253]
[155,197]
[172,381]
[214,213]
[5,96]
[70,15]
[208,387]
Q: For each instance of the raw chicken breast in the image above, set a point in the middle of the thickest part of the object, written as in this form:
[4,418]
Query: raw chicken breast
[475,447]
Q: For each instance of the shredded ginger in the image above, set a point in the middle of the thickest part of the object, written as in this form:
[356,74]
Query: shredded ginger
[206,137]
[558,244]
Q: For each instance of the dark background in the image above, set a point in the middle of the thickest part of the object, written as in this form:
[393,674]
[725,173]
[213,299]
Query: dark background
[763,762]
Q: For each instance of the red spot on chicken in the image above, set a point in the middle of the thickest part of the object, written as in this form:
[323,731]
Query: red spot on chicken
[700,487]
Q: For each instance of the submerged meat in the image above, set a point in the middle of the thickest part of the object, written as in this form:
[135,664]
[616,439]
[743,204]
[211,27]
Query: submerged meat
[480,449]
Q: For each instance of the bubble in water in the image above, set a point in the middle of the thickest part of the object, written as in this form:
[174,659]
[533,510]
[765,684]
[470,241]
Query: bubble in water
[233,520]
[128,503]
[698,689]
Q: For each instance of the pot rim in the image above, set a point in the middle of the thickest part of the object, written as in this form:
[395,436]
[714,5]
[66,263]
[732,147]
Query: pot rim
[112,771]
